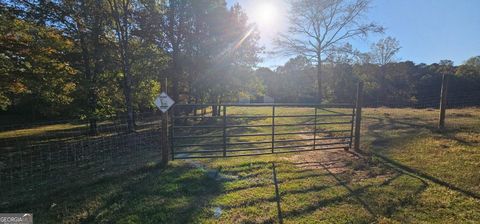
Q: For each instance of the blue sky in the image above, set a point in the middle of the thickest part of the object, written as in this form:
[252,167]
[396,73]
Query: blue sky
[428,30]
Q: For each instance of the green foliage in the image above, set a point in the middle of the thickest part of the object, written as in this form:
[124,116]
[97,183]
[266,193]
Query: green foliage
[35,74]
[470,69]
[207,51]
[67,58]
[394,83]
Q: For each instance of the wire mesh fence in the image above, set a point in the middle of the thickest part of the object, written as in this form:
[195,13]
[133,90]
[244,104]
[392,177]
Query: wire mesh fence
[43,158]
[425,111]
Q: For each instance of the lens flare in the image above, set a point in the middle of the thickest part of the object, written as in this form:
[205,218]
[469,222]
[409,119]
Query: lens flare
[265,14]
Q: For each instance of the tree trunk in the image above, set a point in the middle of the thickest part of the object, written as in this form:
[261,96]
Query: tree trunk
[128,76]
[122,32]
[128,94]
[93,96]
[177,70]
[319,80]
[91,105]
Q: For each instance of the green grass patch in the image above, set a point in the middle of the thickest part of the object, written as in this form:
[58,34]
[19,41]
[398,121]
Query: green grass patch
[421,175]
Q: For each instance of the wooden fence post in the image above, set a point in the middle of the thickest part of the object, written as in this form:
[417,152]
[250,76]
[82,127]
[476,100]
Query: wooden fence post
[164,131]
[164,143]
[358,115]
[443,101]
[224,131]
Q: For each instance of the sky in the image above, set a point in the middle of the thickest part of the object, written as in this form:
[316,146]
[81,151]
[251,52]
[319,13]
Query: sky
[428,30]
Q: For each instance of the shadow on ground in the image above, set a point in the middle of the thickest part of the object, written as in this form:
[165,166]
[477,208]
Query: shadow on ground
[174,194]
[314,187]
[398,134]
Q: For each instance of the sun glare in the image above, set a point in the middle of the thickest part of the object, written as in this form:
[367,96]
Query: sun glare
[266,14]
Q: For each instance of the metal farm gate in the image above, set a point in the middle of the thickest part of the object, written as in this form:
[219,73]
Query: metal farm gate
[229,130]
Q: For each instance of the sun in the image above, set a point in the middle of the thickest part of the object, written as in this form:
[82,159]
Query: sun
[266,14]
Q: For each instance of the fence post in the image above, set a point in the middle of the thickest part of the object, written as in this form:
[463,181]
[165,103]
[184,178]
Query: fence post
[171,134]
[164,137]
[358,115]
[443,101]
[315,130]
[273,129]
[224,131]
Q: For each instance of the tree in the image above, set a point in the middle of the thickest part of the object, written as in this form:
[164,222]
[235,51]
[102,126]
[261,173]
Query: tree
[84,22]
[121,13]
[470,69]
[340,82]
[212,48]
[270,81]
[34,72]
[319,27]
[467,81]
[297,80]
[234,52]
[384,51]
[446,67]
[171,34]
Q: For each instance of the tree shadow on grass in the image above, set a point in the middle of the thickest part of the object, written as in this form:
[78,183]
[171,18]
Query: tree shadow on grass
[438,181]
[175,194]
[410,130]
[304,191]
[413,126]
[373,197]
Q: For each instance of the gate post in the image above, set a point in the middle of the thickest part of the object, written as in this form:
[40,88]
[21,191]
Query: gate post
[224,131]
[443,102]
[358,115]
[273,128]
[164,143]
[164,130]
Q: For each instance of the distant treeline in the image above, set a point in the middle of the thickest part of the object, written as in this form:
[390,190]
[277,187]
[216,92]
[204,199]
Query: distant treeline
[391,84]
[95,59]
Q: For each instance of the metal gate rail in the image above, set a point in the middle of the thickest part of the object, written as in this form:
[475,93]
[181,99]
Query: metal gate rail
[221,129]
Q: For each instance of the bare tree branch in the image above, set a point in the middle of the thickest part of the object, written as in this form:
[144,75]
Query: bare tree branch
[317,28]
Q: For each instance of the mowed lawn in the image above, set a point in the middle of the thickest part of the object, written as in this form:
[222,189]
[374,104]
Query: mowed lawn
[409,172]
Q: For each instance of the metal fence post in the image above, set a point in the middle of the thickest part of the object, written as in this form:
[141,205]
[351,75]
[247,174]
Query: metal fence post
[172,135]
[273,128]
[315,130]
[351,129]
[443,102]
[164,144]
[358,115]
[224,131]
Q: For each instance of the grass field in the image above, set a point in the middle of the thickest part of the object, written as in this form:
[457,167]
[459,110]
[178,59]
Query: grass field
[409,173]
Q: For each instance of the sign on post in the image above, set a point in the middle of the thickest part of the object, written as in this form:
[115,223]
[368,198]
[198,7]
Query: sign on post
[164,102]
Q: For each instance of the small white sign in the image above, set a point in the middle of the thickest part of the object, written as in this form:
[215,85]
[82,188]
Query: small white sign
[164,102]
